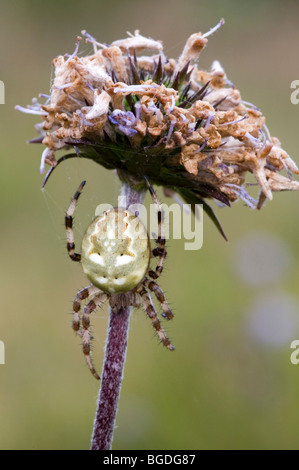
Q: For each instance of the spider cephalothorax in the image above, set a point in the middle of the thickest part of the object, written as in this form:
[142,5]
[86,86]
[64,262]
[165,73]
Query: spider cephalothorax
[115,257]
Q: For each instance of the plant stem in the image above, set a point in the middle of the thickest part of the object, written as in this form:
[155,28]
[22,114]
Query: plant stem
[115,356]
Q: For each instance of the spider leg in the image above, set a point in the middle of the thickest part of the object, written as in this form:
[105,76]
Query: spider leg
[83,294]
[61,159]
[152,314]
[69,225]
[88,309]
[160,250]
[153,287]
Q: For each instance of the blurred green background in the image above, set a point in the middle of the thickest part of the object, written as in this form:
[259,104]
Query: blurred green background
[230,383]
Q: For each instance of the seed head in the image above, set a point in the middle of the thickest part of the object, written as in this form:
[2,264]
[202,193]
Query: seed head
[130,108]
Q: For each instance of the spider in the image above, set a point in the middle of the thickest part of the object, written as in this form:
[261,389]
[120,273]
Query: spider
[115,257]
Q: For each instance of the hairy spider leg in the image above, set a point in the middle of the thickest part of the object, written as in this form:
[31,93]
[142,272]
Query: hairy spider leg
[88,309]
[69,225]
[152,314]
[153,287]
[160,250]
[83,294]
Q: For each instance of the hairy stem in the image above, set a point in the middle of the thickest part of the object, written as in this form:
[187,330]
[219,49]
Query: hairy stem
[111,380]
[115,356]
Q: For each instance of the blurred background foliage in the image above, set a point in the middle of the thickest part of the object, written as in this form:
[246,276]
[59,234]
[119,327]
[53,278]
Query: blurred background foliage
[230,383]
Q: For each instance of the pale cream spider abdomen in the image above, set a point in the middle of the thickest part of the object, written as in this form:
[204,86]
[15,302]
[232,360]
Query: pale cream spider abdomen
[116,251]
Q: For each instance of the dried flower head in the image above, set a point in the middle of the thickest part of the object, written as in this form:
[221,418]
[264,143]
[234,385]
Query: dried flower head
[129,108]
